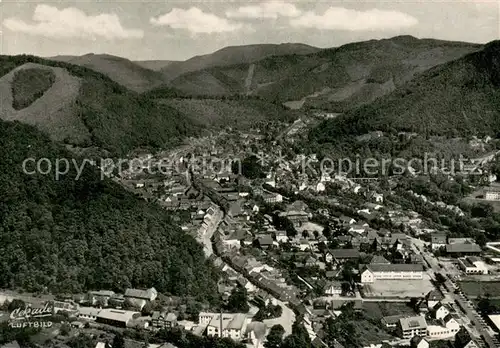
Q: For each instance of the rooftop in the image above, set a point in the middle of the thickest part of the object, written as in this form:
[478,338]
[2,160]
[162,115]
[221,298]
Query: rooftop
[412,323]
[344,253]
[378,259]
[463,248]
[141,294]
[117,315]
[395,267]
[438,238]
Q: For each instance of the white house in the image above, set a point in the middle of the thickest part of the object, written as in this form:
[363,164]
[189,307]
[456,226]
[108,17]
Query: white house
[347,220]
[333,288]
[273,198]
[448,329]
[378,197]
[233,326]
[281,236]
[433,298]
[357,228]
[438,241]
[413,326]
[440,311]
[320,187]
[88,313]
[472,265]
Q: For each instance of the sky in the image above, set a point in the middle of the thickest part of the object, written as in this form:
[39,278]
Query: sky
[178,30]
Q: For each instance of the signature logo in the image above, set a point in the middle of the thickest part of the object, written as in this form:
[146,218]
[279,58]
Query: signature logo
[32,312]
[28,316]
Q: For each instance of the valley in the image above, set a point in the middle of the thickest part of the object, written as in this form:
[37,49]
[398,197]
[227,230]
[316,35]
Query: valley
[278,196]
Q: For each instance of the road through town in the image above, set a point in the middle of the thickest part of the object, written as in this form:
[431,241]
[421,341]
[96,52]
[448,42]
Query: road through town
[469,313]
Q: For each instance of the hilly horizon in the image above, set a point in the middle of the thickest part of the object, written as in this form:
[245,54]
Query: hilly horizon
[459,98]
[84,104]
[132,75]
[235,55]
[335,79]
[144,75]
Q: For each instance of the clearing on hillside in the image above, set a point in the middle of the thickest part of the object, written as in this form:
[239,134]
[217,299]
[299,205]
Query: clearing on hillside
[30,84]
[52,109]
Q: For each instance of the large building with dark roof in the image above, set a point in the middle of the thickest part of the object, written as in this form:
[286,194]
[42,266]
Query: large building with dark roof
[400,271]
[462,249]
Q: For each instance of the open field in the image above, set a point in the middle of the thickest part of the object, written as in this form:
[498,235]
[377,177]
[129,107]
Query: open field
[378,310]
[50,105]
[398,288]
[476,289]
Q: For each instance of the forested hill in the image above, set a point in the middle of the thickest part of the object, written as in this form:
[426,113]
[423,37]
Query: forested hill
[83,107]
[73,235]
[459,98]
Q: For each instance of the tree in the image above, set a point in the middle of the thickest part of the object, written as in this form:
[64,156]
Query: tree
[128,305]
[146,340]
[193,309]
[251,168]
[485,306]
[65,329]
[299,337]
[118,341]
[346,288]
[238,300]
[81,341]
[100,302]
[348,272]
[274,338]
[327,232]
[16,304]
[147,309]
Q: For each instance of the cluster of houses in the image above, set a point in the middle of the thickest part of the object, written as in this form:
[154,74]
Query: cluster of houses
[435,321]
[380,256]
[106,307]
[261,281]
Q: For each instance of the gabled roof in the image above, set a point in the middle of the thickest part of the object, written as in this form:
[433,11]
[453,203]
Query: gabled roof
[334,283]
[391,319]
[434,295]
[415,340]
[347,219]
[297,206]
[344,253]
[439,238]
[117,315]
[463,248]
[450,316]
[395,267]
[139,293]
[265,240]
[379,259]
[413,322]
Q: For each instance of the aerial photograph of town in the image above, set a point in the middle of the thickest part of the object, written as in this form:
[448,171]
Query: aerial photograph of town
[260,174]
